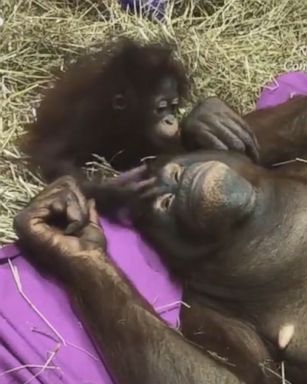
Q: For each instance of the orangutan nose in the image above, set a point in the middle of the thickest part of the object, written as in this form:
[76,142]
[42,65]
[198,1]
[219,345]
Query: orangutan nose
[170,120]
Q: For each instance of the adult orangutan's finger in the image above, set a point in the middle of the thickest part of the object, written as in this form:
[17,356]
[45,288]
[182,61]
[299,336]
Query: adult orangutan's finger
[93,233]
[32,225]
[77,214]
[93,214]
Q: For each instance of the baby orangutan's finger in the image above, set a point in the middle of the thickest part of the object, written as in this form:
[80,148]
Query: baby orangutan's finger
[127,177]
[142,185]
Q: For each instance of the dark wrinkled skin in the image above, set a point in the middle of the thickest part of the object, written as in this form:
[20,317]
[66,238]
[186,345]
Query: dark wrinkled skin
[267,136]
[234,234]
[230,230]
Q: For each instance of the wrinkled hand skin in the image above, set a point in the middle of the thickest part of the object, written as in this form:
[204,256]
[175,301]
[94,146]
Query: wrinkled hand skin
[59,232]
[267,136]
[212,124]
[59,224]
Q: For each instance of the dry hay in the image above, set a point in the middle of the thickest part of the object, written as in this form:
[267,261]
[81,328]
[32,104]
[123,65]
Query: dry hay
[231,52]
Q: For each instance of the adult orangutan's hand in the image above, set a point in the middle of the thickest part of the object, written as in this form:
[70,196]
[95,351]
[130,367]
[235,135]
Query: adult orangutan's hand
[60,225]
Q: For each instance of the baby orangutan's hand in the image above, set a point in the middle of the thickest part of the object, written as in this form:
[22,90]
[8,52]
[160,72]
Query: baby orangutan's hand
[60,225]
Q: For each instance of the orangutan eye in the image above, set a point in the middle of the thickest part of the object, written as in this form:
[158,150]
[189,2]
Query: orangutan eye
[164,202]
[162,106]
[177,172]
[173,171]
[175,105]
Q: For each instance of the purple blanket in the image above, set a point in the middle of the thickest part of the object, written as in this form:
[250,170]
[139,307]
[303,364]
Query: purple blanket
[41,338]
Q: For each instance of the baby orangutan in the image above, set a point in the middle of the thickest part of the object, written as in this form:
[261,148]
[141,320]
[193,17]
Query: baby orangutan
[119,103]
